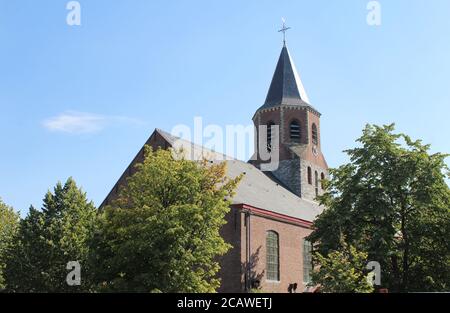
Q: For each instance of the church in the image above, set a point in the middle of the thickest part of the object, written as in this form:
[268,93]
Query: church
[272,211]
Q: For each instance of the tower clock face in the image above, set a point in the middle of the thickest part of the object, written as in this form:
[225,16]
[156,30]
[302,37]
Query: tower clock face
[314,150]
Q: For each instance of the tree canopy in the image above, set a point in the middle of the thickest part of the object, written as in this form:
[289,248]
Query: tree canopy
[162,233]
[342,270]
[9,226]
[392,202]
[50,238]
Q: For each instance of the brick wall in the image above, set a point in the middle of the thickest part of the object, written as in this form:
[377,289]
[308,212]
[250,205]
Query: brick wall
[308,190]
[290,257]
[230,271]
[248,237]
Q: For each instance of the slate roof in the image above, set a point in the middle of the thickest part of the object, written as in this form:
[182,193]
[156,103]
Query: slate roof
[286,87]
[256,189]
[191,150]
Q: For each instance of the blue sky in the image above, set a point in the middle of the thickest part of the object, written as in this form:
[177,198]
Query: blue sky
[135,65]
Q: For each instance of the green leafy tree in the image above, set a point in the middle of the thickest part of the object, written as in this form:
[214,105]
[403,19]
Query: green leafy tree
[9,226]
[162,233]
[50,238]
[343,271]
[392,202]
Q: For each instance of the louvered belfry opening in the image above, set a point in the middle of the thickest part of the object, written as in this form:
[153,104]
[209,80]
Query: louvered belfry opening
[295,132]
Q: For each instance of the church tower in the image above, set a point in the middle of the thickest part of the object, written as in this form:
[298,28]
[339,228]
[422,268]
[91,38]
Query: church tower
[301,165]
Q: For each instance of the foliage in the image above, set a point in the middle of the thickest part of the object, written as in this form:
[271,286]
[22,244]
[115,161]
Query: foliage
[162,232]
[9,226]
[49,239]
[343,270]
[392,202]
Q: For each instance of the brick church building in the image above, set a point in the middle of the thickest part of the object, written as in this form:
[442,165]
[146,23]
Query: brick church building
[271,212]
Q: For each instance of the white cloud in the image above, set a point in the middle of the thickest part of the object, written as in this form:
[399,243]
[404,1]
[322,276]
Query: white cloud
[82,122]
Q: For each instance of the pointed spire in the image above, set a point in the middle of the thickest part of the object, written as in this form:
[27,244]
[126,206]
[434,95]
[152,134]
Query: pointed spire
[286,86]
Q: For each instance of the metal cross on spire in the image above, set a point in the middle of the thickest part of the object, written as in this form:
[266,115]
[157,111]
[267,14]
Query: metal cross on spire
[283,30]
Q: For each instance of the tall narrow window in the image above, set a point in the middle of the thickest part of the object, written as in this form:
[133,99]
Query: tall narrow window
[294,130]
[322,180]
[272,256]
[309,175]
[315,137]
[316,182]
[307,261]
[269,135]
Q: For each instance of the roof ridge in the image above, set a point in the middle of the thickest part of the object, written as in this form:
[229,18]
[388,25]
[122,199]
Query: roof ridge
[172,139]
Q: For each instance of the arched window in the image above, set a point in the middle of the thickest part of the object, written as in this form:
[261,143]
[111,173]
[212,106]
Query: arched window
[307,261]
[294,130]
[269,135]
[309,175]
[315,137]
[316,182]
[272,256]
[322,179]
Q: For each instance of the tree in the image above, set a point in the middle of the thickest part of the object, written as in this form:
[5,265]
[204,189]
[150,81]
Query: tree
[162,233]
[9,225]
[343,270]
[392,202]
[49,239]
